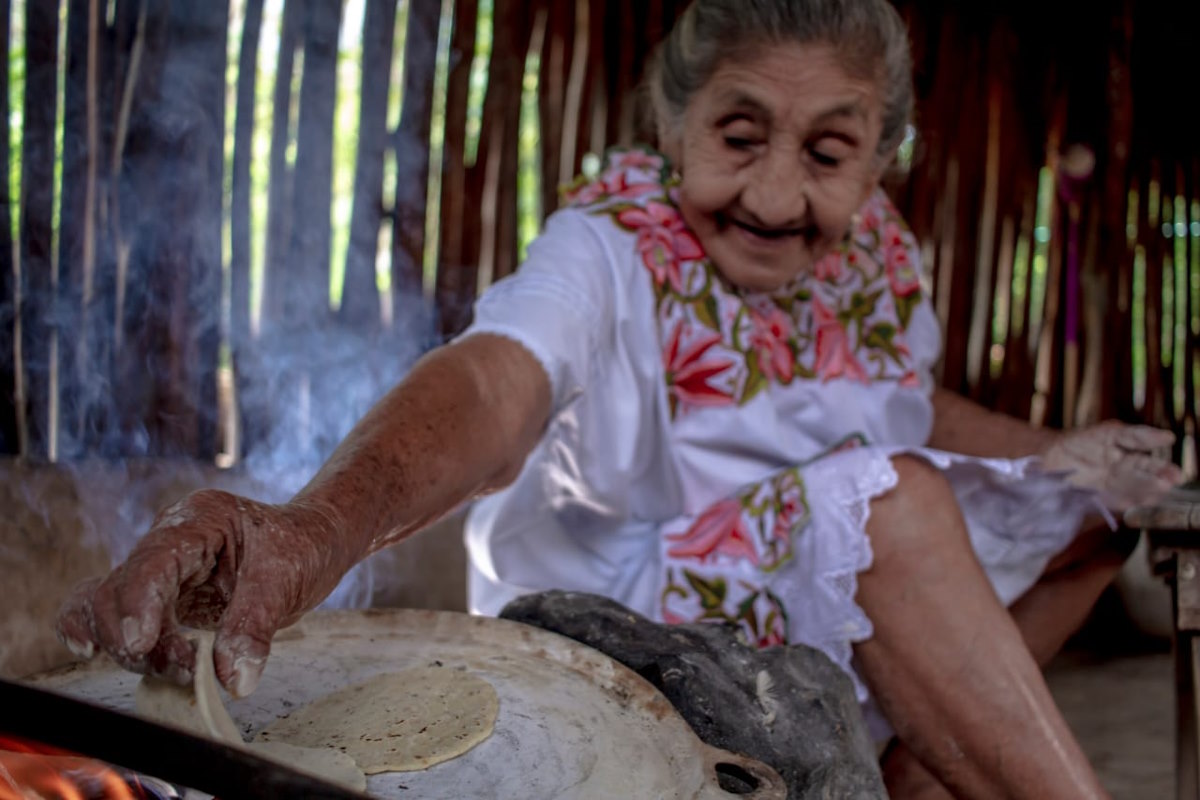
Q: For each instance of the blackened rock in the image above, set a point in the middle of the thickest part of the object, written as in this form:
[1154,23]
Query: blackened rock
[789,707]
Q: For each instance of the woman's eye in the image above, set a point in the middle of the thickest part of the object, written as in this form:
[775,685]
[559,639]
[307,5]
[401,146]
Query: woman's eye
[824,159]
[739,142]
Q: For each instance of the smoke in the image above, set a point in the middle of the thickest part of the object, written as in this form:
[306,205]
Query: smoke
[308,389]
[140,358]
[313,386]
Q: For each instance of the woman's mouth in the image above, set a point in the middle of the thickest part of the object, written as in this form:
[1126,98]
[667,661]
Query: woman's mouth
[767,236]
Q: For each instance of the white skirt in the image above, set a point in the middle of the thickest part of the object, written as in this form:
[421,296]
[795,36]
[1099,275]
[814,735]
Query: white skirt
[728,564]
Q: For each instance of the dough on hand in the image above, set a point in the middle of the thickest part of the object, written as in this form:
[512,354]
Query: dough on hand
[397,721]
[198,709]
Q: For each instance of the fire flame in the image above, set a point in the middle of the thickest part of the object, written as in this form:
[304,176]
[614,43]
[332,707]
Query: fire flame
[37,772]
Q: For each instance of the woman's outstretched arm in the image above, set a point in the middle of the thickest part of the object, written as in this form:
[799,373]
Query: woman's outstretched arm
[462,422]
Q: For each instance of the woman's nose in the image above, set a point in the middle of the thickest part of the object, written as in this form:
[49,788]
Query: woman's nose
[777,194]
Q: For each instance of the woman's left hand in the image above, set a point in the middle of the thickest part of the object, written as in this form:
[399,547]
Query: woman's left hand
[1120,461]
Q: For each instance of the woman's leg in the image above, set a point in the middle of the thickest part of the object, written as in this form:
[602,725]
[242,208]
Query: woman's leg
[1059,603]
[948,665]
[1054,608]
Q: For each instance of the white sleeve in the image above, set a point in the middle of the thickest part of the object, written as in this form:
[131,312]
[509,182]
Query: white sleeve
[924,339]
[559,304]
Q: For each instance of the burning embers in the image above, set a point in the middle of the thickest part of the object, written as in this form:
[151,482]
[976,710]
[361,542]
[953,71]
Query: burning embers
[30,771]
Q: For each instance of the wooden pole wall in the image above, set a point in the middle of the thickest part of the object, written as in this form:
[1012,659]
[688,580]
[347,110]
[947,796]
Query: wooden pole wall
[9,418]
[137,306]
[37,209]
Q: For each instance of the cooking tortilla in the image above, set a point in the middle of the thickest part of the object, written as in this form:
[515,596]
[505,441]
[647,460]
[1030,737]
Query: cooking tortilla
[398,721]
[198,709]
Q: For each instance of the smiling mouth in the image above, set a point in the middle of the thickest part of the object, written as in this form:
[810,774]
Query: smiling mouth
[770,234]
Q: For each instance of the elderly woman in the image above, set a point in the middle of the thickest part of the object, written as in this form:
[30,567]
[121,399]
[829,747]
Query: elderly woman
[707,394]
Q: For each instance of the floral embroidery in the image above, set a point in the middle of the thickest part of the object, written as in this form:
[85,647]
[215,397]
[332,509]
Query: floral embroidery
[718,531]
[663,241]
[772,337]
[835,356]
[756,526]
[755,529]
[688,376]
[756,610]
[844,321]
[750,535]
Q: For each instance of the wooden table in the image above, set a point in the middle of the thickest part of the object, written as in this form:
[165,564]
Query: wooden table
[1172,527]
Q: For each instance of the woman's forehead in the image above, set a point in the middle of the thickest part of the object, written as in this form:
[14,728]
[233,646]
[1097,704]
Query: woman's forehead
[781,79]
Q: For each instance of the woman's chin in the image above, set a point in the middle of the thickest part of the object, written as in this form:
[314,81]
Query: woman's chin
[761,279]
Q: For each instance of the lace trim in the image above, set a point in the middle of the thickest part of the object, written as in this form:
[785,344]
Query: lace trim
[849,623]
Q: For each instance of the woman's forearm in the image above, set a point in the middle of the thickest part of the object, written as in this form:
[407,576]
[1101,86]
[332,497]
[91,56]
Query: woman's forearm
[963,426]
[461,422]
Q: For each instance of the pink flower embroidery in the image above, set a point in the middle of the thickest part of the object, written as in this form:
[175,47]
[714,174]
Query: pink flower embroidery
[773,637]
[687,375]
[671,618]
[870,219]
[718,531]
[611,185]
[663,241]
[835,358]
[786,517]
[910,380]
[893,237]
[901,272]
[620,187]
[636,159]
[770,337]
[829,268]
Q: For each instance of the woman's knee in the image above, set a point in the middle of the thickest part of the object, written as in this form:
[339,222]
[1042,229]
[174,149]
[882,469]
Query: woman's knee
[918,514]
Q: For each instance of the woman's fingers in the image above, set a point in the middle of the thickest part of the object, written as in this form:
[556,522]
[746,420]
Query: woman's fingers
[74,623]
[243,644]
[212,561]
[1138,479]
[134,607]
[131,613]
[1143,438]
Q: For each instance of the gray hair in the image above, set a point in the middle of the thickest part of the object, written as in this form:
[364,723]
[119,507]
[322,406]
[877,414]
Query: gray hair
[869,36]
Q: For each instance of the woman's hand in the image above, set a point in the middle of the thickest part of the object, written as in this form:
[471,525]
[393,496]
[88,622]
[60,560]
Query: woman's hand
[213,560]
[1120,461]
[462,422]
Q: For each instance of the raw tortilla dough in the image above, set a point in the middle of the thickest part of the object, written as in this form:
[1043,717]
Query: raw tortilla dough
[198,709]
[397,721]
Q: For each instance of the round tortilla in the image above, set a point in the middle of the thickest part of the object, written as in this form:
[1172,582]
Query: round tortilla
[198,709]
[398,721]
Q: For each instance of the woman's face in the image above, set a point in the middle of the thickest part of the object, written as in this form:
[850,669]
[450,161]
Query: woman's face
[777,152]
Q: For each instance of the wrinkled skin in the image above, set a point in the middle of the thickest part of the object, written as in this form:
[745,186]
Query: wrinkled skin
[1124,463]
[460,424]
[213,561]
[777,153]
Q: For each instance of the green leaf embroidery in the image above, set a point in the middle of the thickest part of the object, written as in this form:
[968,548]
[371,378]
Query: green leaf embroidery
[712,593]
[881,337]
[707,312]
[756,381]
[863,306]
[747,614]
[905,306]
